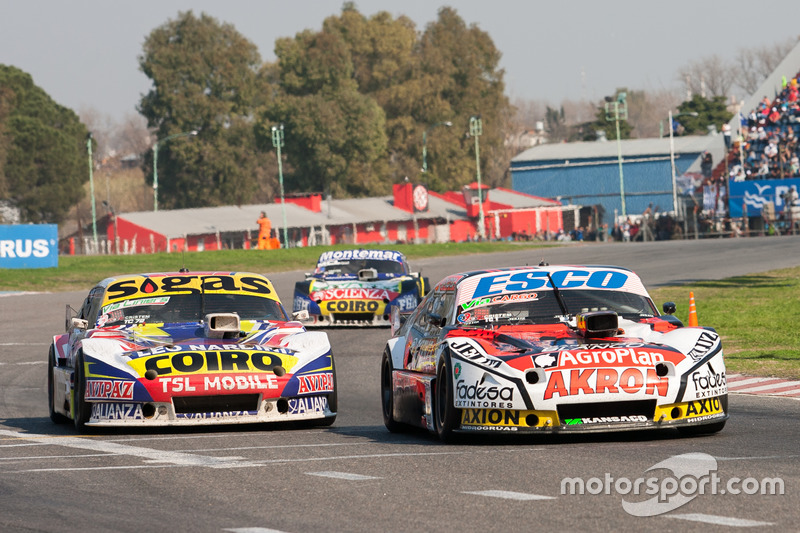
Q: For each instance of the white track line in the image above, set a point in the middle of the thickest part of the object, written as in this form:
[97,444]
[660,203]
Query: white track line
[509,495]
[719,520]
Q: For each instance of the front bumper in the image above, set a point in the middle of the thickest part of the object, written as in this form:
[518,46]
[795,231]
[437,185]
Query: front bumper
[686,414]
[115,414]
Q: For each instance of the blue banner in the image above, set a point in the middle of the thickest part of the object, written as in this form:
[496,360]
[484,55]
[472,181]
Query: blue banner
[29,246]
[754,194]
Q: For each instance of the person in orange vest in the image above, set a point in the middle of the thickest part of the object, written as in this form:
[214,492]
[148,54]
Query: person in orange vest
[264,232]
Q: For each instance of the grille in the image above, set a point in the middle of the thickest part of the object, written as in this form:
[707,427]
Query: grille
[215,404]
[361,317]
[592,410]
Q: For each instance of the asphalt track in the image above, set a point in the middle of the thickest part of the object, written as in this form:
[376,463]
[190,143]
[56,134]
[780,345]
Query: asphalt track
[356,476]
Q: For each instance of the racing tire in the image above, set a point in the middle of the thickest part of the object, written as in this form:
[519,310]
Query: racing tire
[446,418]
[81,410]
[387,395]
[56,417]
[705,429]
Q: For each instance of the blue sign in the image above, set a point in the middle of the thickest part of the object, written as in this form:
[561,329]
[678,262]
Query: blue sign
[29,246]
[753,194]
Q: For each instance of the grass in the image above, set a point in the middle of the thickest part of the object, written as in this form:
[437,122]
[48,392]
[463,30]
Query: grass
[81,272]
[757,316]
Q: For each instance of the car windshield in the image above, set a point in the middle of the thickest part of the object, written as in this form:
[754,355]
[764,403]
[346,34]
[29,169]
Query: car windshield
[189,308]
[351,268]
[544,308]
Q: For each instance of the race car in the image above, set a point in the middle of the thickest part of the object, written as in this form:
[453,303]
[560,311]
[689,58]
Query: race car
[550,349]
[188,348]
[358,288]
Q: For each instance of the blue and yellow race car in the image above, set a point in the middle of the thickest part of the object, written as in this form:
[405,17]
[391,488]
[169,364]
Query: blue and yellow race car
[188,348]
[358,288]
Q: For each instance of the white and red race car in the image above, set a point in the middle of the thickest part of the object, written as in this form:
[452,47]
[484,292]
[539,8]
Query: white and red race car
[188,348]
[550,349]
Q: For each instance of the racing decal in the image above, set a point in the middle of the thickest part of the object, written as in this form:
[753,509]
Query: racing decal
[190,284]
[312,404]
[615,355]
[497,283]
[492,417]
[360,293]
[704,409]
[605,380]
[709,383]
[604,420]
[215,415]
[116,411]
[468,350]
[124,304]
[353,306]
[216,383]
[208,361]
[407,302]
[705,342]
[544,360]
[105,389]
[485,392]
[312,383]
[346,255]
[505,298]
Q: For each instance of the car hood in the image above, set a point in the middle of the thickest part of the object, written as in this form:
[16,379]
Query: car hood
[559,346]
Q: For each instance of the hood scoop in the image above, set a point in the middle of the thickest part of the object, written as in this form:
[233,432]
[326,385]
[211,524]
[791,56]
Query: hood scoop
[597,324]
[221,326]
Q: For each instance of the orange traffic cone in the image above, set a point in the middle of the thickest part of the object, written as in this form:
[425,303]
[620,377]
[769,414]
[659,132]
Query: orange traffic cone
[692,310]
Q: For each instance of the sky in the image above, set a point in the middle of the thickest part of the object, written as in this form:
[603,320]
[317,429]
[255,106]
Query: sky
[84,53]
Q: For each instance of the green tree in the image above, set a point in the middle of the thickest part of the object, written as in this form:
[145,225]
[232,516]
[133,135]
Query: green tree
[334,135]
[45,163]
[710,111]
[461,74]
[205,77]
[604,121]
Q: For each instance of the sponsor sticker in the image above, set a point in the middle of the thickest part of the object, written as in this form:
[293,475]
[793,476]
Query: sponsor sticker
[109,389]
[311,404]
[116,411]
[604,420]
[605,380]
[312,383]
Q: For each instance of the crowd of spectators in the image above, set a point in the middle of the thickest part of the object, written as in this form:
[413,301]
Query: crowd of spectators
[769,147]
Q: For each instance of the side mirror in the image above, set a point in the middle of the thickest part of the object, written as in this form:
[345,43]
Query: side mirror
[79,323]
[300,315]
[669,308]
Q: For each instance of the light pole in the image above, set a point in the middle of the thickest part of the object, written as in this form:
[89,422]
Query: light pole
[620,111]
[155,162]
[672,160]
[91,187]
[425,142]
[277,142]
[476,130]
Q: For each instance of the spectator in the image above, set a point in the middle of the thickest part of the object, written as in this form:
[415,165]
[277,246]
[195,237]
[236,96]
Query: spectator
[726,135]
[706,165]
[264,232]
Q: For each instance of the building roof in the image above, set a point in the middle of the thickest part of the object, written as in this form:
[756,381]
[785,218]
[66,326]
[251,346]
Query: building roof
[177,223]
[608,149]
